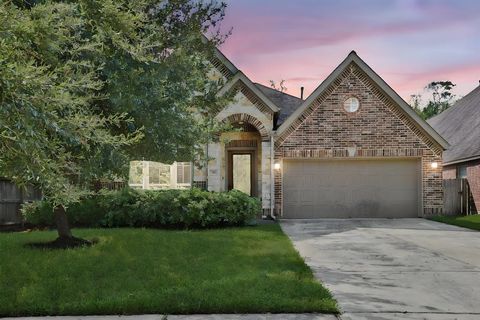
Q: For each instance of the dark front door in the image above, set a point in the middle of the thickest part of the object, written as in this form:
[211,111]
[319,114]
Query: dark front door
[241,171]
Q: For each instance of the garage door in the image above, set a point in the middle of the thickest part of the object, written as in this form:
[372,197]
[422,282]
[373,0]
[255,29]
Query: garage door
[351,189]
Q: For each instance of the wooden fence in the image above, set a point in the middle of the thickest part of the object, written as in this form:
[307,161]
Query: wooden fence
[457,197]
[11,198]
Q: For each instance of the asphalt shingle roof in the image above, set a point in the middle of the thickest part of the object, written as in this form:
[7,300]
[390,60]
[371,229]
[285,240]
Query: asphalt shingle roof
[460,126]
[285,102]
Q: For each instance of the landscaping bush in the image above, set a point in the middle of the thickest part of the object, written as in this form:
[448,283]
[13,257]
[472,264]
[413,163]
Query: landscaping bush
[192,208]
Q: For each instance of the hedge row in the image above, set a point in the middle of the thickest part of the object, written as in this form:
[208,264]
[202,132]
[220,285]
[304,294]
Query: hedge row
[193,208]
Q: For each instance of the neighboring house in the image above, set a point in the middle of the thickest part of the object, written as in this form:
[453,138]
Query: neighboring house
[353,148]
[460,126]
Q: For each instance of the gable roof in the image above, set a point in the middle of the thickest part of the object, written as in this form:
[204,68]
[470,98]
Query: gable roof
[460,125]
[285,102]
[354,58]
[281,103]
[227,63]
[240,77]
[220,60]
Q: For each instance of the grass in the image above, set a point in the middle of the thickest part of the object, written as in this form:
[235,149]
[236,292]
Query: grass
[471,222]
[136,271]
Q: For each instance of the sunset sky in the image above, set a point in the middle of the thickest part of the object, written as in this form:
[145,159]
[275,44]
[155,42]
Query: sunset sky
[407,42]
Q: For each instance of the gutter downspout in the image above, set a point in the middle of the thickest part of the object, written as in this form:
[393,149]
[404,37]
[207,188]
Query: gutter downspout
[272,177]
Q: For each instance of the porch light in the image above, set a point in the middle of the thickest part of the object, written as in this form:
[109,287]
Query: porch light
[277,166]
[434,165]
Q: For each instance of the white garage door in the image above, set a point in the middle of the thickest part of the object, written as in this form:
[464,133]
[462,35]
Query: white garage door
[351,189]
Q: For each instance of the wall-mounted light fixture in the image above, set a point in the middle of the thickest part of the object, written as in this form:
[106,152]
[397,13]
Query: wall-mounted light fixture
[277,166]
[434,165]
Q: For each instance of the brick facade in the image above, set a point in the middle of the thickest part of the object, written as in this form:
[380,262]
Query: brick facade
[379,129]
[473,178]
[382,128]
[449,172]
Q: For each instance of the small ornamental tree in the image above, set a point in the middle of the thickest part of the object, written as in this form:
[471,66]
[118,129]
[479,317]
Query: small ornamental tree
[77,79]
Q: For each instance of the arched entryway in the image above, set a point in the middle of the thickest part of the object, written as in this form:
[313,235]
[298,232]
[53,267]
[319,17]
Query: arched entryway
[243,156]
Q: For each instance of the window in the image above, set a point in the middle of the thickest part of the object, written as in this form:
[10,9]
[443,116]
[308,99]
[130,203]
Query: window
[136,173]
[156,175]
[462,172]
[184,173]
[351,104]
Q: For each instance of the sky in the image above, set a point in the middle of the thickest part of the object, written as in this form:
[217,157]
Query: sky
[409,43]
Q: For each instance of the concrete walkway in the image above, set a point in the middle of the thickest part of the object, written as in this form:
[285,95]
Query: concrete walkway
[393,269]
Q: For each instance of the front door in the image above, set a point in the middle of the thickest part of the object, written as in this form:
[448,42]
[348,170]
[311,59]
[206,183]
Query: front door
[241,171]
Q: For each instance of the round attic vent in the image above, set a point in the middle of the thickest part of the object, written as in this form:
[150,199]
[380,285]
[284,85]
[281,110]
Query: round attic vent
[351,104]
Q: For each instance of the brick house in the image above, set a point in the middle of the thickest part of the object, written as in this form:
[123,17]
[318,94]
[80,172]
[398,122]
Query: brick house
[460,125]
[353,148]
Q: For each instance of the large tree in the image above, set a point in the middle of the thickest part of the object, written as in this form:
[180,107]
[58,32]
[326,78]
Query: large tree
[159,96]
[86,84]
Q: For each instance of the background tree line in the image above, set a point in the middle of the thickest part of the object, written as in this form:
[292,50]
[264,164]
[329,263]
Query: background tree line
[440,99]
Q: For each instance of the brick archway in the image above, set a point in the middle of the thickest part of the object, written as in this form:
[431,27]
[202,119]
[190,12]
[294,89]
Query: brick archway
[243,117]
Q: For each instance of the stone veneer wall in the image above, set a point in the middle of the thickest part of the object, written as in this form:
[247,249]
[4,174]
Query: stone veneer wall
[379,129]
[246,108]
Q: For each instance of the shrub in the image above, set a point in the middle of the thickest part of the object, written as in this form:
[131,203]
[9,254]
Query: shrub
[192,208]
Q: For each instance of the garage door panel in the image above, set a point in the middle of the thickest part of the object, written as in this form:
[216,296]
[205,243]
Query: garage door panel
[351,188]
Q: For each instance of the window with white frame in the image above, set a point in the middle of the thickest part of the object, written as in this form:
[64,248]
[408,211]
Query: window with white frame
[184,173]
[156,175]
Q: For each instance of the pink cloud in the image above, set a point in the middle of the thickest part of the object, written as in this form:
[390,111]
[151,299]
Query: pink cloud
[408,43]
[265,32]
[465,76]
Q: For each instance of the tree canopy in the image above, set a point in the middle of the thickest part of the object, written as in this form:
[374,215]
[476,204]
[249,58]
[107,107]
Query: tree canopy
[86,85]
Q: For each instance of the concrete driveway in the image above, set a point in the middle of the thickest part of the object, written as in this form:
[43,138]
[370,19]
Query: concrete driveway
[393,268]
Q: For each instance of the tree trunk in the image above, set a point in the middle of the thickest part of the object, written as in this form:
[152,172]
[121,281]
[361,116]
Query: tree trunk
[61,220]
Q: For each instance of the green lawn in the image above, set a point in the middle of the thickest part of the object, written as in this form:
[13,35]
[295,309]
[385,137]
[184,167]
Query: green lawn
[133,271]
[471,222]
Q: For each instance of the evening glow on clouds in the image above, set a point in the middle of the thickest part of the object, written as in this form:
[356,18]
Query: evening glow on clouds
[409,43]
